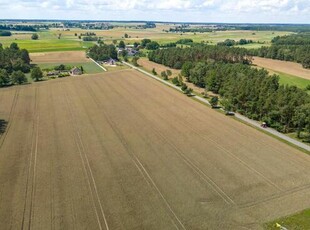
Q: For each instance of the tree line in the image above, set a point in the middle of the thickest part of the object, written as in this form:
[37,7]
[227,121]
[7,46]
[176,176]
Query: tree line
[244,89]
[18,27]
[5,33]
[252,92]
[231,42]
[295,47]
[176,57]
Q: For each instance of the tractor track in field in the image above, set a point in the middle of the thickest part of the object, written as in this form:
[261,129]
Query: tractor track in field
[119,150]
[86,166]
[192,165]
[32,165]
[234,131]
[177,222]
[196,168]
[10,118]
[220,147]
[281,192]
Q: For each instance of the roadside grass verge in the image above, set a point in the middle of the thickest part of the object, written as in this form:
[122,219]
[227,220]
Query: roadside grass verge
[299,221]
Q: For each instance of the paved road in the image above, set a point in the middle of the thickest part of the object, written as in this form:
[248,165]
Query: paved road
[239,116]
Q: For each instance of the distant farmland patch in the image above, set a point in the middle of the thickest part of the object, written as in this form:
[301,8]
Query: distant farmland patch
[56,57]
[291,68]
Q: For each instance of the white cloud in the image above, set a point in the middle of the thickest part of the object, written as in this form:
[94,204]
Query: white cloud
[166,10]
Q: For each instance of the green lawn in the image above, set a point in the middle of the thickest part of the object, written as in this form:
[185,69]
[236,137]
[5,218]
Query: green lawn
[89,67]
[299,221]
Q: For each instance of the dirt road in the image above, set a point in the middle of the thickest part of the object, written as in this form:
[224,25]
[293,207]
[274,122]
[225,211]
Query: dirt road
[121,151]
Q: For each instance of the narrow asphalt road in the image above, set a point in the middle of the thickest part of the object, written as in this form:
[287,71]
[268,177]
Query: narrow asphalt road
[239,116]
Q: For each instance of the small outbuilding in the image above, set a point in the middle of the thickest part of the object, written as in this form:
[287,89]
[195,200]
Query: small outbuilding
[76,71]
[111,61]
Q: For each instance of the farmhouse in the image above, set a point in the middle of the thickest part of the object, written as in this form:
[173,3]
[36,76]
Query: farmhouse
[110,61]
[75,71]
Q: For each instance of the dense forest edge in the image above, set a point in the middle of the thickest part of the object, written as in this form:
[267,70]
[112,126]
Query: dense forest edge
[254,93]
[295,47]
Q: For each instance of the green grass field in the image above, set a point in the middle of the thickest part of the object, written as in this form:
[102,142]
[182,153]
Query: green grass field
[299,221]
[287,79]
[89,67]
[48,40]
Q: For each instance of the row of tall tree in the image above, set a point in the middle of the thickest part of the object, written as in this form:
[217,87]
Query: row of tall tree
[254,93]
[18,27]
[176,57]
[295,47]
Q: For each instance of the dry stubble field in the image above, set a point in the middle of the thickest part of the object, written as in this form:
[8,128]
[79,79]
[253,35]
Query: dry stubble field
[121,151]
[59,57]
[292,68]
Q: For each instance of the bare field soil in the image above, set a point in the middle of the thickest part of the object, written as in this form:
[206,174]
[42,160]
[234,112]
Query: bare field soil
[291,68]
[59,57]
[122,151]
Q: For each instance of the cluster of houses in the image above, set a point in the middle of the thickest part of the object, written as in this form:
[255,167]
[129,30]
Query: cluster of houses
[131,51]
[75,71]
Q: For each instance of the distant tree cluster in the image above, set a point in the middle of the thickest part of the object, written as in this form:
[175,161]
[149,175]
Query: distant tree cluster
[18,27]
[88,34]
[294,47]
[230,42]
[186,28]
[102,52]
[176,57]
[149,44]
[34,36]
[185,41]
[90,38]
[147,25]
[270,27]
[5,33]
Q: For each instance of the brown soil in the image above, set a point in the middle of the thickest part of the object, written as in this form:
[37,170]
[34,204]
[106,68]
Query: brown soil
[122,151]
[59,57]
[283,66]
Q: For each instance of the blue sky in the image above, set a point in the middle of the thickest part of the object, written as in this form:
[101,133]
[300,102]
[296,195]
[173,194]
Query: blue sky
[252,11]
